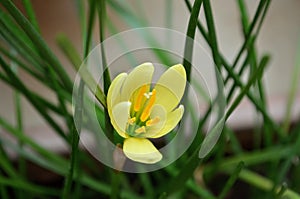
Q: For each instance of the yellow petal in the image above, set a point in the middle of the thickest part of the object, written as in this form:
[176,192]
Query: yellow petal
[170,87]
[120,116]
[159,112]
[114,91]
[172,120]
[140,76]
[141,150]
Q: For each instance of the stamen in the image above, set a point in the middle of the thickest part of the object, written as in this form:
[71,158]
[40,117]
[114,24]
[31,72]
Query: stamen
[140,130]
[147,109]
[138,103]
[152,121]
[131,121]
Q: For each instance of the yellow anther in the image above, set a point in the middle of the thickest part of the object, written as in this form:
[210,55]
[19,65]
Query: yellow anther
[139,99]
[140,130]
[131,121]
[152,121]
[146,112]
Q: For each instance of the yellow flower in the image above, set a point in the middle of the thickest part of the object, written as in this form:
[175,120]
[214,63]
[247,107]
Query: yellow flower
[139,110]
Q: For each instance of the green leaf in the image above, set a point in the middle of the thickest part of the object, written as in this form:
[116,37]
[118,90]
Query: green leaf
[31,98]
[190,36]
[257,75]
[211,138]
[232,179]
[31,15]
[23,185]
[39,42]
[73,56]
[293,91]
[179,180]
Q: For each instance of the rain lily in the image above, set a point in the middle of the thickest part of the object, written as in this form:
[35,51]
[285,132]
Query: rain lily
[140,110]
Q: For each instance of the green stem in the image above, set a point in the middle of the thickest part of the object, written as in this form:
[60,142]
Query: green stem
[18,111]
[253,63]
[230,70]
[265,184]
[240,73]
[78,111]
[249,32]
[189,42]
[31,15]
[23,185]
[257,105]
[75,139]
[252,158]
[147,186]
[80,5]
[31,98]
[115,184]
[106,73]
[115,175]
[192,185]
[7,167]
[293,91]
[257,75]
[55,159]
[40,44]
[22,65]
[3,192]
[21,46]
[71,53]
[180,179]
[232,179]
[102,19]
[54,162]
[135,21]
[212,32]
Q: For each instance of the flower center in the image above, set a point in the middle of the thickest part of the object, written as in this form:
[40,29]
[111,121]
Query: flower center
[142,103]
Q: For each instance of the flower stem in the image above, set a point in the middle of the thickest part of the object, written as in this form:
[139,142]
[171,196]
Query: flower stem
[78,114]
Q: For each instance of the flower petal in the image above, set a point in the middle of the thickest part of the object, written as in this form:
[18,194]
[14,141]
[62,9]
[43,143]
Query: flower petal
[120,116]
[158,111]
[114,91]
[170,87]
[141,150]
[172,120]
[138,77]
